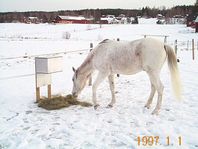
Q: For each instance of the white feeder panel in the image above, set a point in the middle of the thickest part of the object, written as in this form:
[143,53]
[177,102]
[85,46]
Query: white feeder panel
[47,65]
[43,80]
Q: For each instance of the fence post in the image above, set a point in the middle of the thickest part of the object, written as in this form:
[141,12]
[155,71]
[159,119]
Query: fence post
[187,45]
[176,46]
[90,78]
[144,36]
[165,39]
[193,49]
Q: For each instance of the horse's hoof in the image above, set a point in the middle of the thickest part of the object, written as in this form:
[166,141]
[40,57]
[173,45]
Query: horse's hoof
[147,106]
[96,106]
[110,106]
[155,112]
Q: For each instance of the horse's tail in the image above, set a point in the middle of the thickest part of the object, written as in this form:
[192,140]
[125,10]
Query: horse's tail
[175,77]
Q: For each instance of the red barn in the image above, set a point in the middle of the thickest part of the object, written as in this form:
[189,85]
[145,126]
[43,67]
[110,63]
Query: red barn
[196,25]
[73,19]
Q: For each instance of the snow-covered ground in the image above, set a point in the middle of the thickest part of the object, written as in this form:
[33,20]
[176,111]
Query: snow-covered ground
[23,125]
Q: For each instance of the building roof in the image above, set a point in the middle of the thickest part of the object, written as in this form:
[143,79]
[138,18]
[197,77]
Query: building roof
[31,18]
[72,17]
[196,20]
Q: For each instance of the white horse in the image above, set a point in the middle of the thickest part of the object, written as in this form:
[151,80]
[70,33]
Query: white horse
[124,57]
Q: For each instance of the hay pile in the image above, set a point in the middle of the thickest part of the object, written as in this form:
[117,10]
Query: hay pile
[58,102]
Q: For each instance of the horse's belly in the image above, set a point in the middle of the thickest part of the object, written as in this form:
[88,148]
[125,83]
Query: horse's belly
[127,69]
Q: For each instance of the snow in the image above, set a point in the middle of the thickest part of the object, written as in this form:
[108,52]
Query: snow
[24,125]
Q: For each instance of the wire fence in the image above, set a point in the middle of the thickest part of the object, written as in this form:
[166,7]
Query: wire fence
[184,45]
[40,55]
[33,56]
[189,45]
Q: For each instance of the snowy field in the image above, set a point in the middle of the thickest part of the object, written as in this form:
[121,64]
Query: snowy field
[25,126]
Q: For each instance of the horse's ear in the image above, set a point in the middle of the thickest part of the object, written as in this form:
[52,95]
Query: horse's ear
[74,69]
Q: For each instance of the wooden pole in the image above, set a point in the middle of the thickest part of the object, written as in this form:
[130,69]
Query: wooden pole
[37,94]
[49,91]
[91,46]
[37,88]
[193,49]
[165,39]
[176,47]
[90,78]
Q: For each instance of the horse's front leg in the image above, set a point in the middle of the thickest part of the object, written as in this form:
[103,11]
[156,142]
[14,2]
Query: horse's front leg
[101,76]
[112,88]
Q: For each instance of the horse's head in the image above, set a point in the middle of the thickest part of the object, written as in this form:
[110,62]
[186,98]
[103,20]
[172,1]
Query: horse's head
[79,81]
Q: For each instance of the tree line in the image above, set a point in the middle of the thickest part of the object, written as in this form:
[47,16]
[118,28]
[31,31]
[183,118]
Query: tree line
[48,17]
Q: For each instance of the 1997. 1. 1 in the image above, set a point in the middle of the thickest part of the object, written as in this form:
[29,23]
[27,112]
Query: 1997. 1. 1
[154,140]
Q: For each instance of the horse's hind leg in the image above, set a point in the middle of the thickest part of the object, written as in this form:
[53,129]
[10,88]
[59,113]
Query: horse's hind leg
[112,88]
[155,77]
[99,79]
[150,99]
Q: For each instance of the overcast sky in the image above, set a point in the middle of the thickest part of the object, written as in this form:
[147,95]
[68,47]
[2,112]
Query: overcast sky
[51,5]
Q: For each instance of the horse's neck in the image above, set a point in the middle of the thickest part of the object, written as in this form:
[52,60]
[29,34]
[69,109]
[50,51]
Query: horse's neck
[86,67]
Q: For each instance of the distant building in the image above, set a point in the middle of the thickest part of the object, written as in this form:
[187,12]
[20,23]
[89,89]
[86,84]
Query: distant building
[196,25]
[134,20]
[73,19]
[30,20]
[104,21]
[159,16]
[109,19]
[177,19]
[190,20]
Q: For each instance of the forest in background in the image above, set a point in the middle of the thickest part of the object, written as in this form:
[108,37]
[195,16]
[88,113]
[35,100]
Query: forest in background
[48,17]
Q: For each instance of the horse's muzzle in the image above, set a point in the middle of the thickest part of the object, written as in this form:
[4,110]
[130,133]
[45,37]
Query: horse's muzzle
[74,95]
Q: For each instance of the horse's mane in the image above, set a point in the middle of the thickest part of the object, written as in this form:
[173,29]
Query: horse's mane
[104,41]
[86,61]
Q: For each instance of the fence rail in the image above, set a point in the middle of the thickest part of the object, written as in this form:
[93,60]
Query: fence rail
[39,55]
[189,45]
[33,56]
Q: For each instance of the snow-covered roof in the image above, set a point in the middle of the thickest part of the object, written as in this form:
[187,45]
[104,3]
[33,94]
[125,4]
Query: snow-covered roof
[159,15]
[196,20]
[72,17]
[33,18]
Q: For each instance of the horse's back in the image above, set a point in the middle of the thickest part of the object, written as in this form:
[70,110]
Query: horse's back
[126,57]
